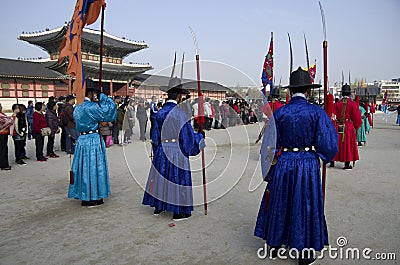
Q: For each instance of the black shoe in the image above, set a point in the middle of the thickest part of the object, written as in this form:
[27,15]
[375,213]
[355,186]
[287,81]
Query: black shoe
[88,203]
[157,212]
[360,144]
[180,217]
[91,204]
[21,162]
[306,261]
[348,167]
[6,168]
[332,164]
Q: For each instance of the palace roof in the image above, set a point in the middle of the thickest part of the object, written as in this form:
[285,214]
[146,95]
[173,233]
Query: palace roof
[50,40]
[117,72]
[10,68]
[190,84]
[371,90]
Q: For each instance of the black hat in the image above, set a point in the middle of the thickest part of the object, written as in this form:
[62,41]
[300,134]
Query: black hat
[69,97]
[61,98]
[175,86]
[299,79]
[275,92]
[346,88]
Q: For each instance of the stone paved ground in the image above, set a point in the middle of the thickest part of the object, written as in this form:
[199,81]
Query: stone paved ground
[39,225]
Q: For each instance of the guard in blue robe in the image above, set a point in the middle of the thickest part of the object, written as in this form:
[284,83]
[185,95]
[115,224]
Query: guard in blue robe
[291,214]
[91,181]
[169,185]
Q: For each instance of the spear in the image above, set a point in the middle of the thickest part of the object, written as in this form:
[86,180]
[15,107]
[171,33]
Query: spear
[325,50]
[200,118]
[291,67]
[100,84]
[308,64]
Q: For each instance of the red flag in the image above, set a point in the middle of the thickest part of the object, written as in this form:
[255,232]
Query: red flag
[268,68]
[312,71]
[86,12]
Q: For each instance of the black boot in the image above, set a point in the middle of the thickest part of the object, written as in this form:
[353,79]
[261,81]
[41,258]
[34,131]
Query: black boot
[347,166]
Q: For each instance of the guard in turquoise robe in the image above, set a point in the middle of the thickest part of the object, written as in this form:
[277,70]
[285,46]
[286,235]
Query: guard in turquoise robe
[364,128]
[91,181]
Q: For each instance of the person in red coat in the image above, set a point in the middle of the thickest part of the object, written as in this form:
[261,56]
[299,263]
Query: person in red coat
[39,122]
[269,109]
[348,120]
[331,107]
[273,105]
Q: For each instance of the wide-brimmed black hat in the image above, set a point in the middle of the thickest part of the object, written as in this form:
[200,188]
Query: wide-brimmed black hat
[299,79]
[275,92]
[175,86]
[346,88]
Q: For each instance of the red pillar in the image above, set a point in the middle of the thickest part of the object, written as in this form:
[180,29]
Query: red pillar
[16,90]
[111,89]
[34,89]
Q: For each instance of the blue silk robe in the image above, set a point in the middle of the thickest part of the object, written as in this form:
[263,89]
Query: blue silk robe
[169,185]
[293,215]
[91,181]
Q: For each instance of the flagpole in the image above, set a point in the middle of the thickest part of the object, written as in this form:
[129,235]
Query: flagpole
[325,56]
[200,119]
[100,84]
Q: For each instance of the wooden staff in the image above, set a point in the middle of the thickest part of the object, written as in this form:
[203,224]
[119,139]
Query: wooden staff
[200,119]
[100,84]
[325,53]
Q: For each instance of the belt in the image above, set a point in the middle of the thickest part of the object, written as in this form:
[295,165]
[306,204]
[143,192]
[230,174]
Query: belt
[344,120]
[89,132]
[298,149]
[169,141]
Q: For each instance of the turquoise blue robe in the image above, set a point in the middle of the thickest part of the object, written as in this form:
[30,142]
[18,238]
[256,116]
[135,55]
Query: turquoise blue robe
[91,180]
[293,214]
[169,185]
[364,128]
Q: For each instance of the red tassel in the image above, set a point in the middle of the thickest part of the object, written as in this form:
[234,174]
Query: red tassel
[71,177]
[266,199]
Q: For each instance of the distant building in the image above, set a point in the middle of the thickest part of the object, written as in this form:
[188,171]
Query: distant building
[392,87]
[146,86]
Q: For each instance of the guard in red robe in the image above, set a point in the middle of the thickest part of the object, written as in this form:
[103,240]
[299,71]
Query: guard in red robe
[348,120]
[269,109]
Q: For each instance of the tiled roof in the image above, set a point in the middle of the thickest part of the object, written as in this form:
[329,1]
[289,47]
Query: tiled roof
[162,82]
[371,90]
[89,35]
[25,69]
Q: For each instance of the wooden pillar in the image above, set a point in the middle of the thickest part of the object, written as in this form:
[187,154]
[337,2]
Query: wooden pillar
[16,89]
[111,89]
[127,88]
[34,90]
